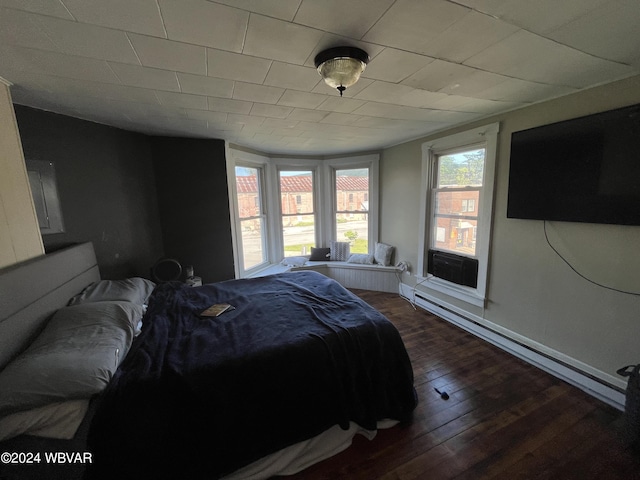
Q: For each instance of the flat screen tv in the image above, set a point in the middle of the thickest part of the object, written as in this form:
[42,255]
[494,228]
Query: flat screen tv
[581,170]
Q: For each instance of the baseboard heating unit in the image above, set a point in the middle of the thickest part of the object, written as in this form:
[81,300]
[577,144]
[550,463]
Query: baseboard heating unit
[557,364]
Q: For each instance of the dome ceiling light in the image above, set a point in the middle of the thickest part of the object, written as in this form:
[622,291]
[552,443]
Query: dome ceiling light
[341,66]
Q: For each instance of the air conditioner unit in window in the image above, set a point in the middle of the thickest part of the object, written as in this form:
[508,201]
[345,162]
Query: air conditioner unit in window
[453,268]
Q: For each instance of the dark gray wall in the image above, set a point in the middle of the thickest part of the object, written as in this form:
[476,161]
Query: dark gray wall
[191,180]
[106,187]
[137,198]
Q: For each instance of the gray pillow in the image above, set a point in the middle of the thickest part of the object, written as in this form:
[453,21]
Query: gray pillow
[340,251]
[74,357]
[383,254]
[136,290]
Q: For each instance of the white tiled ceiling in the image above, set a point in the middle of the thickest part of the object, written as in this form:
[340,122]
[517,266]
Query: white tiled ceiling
[242,70]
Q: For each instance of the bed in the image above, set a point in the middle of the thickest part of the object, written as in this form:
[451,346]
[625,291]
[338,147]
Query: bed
[284,379]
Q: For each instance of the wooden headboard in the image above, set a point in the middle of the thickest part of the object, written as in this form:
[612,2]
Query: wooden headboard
[31,291]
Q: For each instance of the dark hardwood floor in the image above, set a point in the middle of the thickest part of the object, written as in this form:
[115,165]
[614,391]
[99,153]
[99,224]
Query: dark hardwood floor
[504,419]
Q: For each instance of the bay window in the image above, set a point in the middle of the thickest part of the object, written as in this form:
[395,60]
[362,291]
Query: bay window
[282,207]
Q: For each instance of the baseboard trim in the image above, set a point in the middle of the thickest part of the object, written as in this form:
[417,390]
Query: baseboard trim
[546,359]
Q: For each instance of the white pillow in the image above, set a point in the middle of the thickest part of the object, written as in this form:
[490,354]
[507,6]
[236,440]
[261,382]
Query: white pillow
[136,290]
[361,258]
[294,261]
[383,253]
[56,420]
[74,356]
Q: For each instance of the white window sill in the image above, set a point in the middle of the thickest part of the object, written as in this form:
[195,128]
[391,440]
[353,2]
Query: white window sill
[279,268]
[269,269]
[461,292]
[335,264]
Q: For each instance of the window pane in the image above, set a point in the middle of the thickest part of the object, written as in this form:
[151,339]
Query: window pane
[352,190]
[248,192]
[298,235]
[297,207]
[252,243]
[352,208]
[461,169]
[455,235]
[457,202]
[251,216]
[459,182]
[353,228]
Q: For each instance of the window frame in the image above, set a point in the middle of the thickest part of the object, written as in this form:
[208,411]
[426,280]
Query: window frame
[237,158]
[287,165]
[260,205]
[486,136]
[371,162]
[465,213]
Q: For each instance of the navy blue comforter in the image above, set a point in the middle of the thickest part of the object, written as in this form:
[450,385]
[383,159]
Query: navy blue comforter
[201,397]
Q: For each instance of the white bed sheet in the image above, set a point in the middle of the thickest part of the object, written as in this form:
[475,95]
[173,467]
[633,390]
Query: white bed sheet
[57,420]
[297,457]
